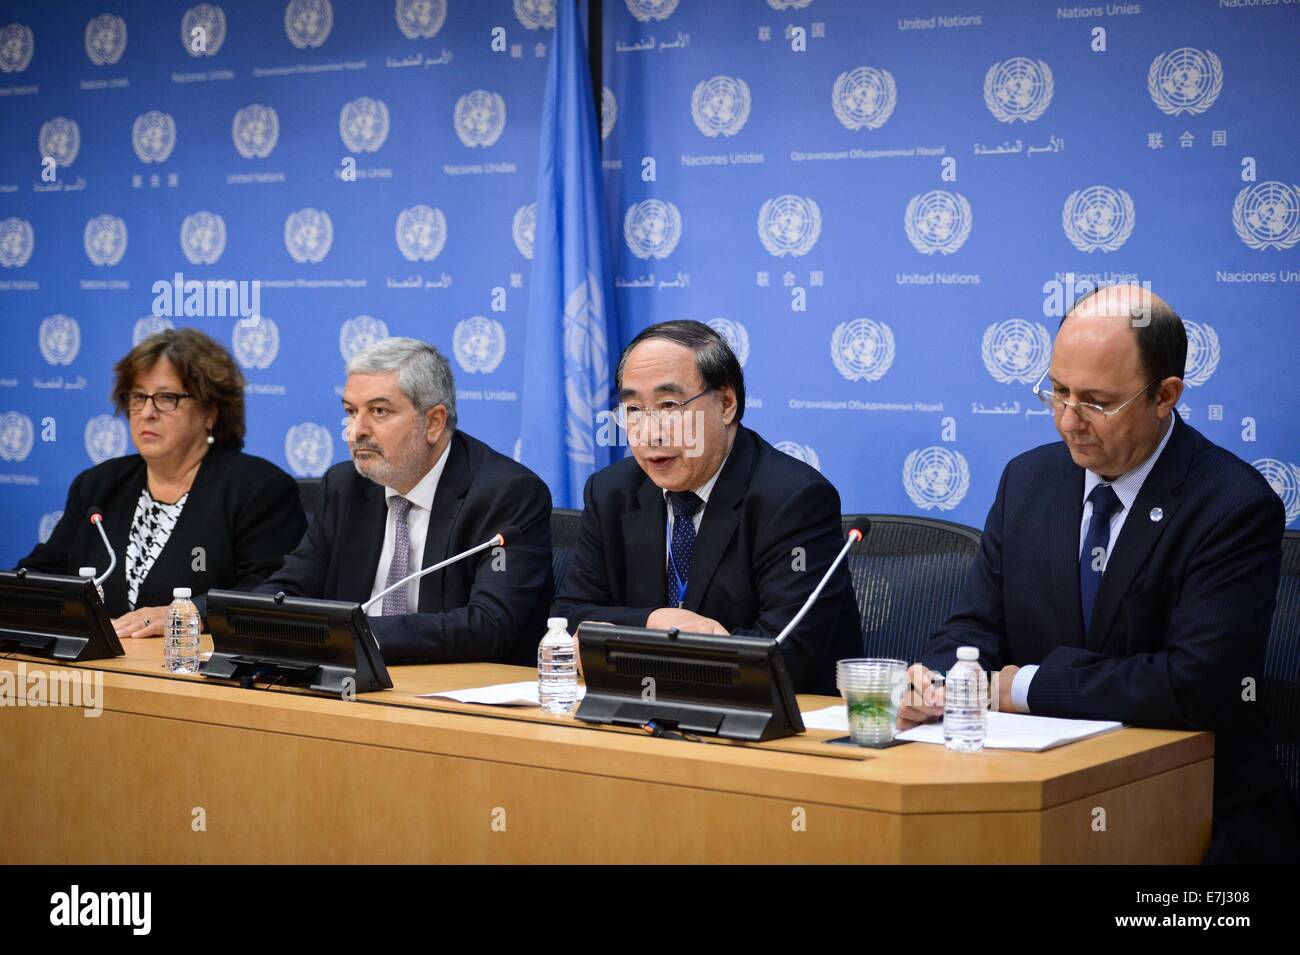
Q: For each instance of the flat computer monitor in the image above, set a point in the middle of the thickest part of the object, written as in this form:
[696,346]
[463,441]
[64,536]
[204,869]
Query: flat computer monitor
[736,687]
[51,615]
[324,645]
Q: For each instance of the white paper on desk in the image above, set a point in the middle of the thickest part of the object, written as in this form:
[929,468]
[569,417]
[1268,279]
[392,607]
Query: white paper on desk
[831,718]
[502,694]
[1019,731]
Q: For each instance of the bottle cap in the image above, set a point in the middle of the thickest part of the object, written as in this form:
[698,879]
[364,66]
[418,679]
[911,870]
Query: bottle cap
[968,653]
[181,593]
[87,572]
[561,622]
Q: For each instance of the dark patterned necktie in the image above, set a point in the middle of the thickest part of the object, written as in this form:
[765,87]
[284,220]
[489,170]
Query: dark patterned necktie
[396,603]
[684,505]
[1096,546]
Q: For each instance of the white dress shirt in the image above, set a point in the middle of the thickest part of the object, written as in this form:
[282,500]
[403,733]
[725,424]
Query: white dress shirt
[1126,488]
[417,520]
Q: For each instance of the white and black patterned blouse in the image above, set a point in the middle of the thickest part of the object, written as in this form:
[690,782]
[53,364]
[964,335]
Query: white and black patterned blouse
[150,528]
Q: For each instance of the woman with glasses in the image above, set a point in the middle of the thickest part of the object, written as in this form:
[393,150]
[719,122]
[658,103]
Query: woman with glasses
[190,509]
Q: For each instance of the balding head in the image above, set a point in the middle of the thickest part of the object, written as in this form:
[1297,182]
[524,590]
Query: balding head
[1138,315]
[1121,348]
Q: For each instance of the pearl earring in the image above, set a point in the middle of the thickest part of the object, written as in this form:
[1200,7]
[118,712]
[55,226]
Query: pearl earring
[211,440]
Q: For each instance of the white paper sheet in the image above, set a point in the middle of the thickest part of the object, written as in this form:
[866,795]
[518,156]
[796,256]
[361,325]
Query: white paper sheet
[501,694]
[1019,731]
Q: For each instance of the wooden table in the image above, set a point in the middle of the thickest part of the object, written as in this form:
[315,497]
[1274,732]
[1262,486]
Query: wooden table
[183,769]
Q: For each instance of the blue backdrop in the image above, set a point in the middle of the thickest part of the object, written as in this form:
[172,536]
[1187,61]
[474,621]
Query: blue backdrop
[885,206]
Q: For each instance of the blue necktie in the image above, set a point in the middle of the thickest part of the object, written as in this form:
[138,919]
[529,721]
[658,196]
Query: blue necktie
[684,505]
[1105,502]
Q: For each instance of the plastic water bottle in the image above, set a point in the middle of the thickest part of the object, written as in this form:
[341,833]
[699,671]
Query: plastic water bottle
[557,668]
[181,634]
[965,703]
[88,573]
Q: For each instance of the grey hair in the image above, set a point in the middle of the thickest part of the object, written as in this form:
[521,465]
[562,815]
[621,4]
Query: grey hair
[423,372]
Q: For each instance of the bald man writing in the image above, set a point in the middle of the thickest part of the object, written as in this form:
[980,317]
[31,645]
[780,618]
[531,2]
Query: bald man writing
[1130,571]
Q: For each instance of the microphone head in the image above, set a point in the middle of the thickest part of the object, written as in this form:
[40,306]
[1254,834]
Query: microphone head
[508,534]
[858,529]
[94,515]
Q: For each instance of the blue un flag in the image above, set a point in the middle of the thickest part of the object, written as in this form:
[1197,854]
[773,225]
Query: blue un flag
[565,425]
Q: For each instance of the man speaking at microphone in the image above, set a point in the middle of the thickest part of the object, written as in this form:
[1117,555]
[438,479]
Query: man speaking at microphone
[708,528]
[416,492]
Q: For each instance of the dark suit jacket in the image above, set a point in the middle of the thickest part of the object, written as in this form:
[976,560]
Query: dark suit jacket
[242,510]
[471,611]
[763,506]
[1181,618]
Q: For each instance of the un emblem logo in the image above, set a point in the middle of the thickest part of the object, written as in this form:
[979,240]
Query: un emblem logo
[789,225]
[586,368]
[1016,350]
[60,339]
[536,14]
[800,452]
[608,112]
[49,521]
[60,139]
[308,235]
[255,345]
[480,118]
[359,333]
[209,18]
[788,4]
[524,229]
[16,436]
[105,438]
[936,477]
[421,233]
[255,130]
[479,344]
[363,124]
[147,326]
[1185,81]
[16,242]
[308,22]
[105,240]
[720,106]
[864,98]
[203,237]
[652,228]
[16,45]
[105,39]
[1267,215]
[154,136]
[735,335]
[647,10]
[862,350]
[1202,352]
[1018,89]
[420,19]
[308,449]
[937,221]
[1098,218]
[1284,479]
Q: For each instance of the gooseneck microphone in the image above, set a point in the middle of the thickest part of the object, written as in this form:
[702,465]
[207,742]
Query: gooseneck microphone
[508,533]
[96,517]
[857,531]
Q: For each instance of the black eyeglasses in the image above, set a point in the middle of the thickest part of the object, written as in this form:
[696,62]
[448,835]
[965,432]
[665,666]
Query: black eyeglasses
[164,401]
[629,417]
